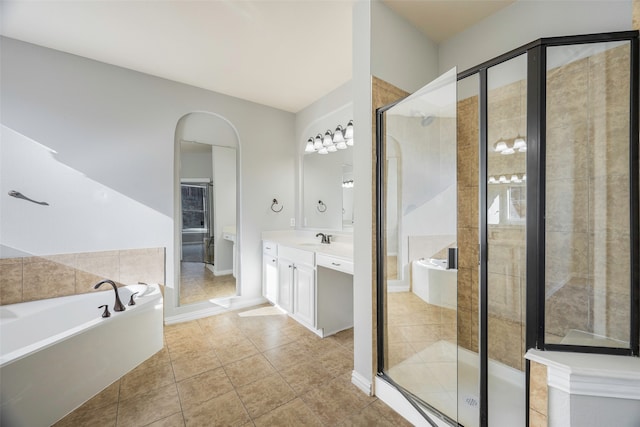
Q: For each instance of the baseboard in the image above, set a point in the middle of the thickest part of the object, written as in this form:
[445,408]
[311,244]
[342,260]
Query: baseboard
[213,309]
[361,382]
[222,272]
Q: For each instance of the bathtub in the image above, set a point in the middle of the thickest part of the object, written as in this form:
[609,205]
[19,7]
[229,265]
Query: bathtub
[58,353]
[433,283]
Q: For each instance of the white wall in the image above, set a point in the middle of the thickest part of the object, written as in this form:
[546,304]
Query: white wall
[389,48]
[526,21]
[224,205]
[117,127]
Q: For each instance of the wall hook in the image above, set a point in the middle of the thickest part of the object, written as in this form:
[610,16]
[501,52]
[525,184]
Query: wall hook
[275,203]
[321,206]
[19,195]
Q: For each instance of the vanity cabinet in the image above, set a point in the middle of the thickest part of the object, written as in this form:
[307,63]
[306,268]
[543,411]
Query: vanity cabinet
[270,271]
[296,284]
[315,289]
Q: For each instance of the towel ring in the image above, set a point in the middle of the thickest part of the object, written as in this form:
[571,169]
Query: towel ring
[275,203]
[321,206]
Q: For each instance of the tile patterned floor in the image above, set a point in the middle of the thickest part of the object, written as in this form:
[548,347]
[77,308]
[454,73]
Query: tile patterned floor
[239,369]
[198,283]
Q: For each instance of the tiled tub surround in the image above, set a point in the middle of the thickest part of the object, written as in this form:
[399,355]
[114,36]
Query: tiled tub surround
[256,367]
[58,353]
[40,277]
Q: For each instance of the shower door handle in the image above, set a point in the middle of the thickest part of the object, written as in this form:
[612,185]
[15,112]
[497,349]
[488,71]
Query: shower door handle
[452,259]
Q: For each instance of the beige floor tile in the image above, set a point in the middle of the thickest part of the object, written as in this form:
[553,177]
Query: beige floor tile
[381,408]
[224,410]
[305,376]
[149,407]
[336,401]
[268,341]
[203,387]
[294,413]
[140,381]
[337,362]
[175,420]
[240,349]
[248,370]
[266,394]
[104,416]
[288,355]
[108,396]
[194,363]
[368,417]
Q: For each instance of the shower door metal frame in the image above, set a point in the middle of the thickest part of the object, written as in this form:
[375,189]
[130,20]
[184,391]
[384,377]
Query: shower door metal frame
[535,228]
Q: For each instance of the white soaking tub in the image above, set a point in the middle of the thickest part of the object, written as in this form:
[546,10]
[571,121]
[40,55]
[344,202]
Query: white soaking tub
[56,354]
[434,283]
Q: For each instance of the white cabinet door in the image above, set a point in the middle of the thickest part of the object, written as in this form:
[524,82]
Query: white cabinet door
[285,284]
[305,294]
[270,277]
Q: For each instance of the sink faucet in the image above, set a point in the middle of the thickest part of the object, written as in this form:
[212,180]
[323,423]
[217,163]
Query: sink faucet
[326,238]
[118,305]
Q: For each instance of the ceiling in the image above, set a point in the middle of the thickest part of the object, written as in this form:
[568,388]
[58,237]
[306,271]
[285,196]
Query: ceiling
[282,53]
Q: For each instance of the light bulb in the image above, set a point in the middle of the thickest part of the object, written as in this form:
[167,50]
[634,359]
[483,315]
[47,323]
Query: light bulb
[507,151]
[493,180]
[348,133]
[503,179]
[341,145]
[519,143]
[332,148]
[350,142]
[309,147]
[328,139]
[323,150]
[338,136]
[317,145]
[500,146]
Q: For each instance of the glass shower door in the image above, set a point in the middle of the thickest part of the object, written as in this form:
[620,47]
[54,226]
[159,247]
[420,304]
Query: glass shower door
[418,199]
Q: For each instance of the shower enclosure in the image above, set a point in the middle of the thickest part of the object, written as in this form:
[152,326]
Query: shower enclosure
[516,184]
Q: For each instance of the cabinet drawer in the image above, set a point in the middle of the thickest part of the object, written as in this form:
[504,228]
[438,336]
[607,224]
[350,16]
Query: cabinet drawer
[297,256]
[270,248]
[334,263]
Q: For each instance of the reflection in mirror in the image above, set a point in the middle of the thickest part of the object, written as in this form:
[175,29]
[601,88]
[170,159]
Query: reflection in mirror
[208,210]
[328,178]
[347,196]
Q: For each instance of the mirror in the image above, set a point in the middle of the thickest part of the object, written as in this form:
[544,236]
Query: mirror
[206,243]
[328,190]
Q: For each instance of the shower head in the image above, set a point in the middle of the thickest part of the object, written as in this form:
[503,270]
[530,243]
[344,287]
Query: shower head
[427,120]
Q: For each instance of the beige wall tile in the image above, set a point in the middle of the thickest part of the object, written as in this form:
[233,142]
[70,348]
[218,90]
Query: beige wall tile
[94,267]
[570,307]
[538,392]
[142,265]
[11,282]
[505,296]
[567,256]
[609,203]
[567,93]
[566,152]
[464,288]
[504,342]
[636,14]
[47,279]
[536,419]
[567,205]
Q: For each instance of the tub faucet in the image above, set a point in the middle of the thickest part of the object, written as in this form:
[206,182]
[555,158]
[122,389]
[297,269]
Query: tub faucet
[326,238]
[118,305]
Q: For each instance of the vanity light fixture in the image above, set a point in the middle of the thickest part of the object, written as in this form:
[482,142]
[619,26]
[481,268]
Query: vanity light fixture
[331,142]
[309,147]
[338,135]
[347,184]
[348,132]
[505,147]
[516,178]
[327,141]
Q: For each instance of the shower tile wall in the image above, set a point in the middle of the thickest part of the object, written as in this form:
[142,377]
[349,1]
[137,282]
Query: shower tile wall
[468,223]
[40,277]
[506,275]
[587,228]
[587,263]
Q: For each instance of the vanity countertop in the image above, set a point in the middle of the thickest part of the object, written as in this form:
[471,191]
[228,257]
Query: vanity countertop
[340,247]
